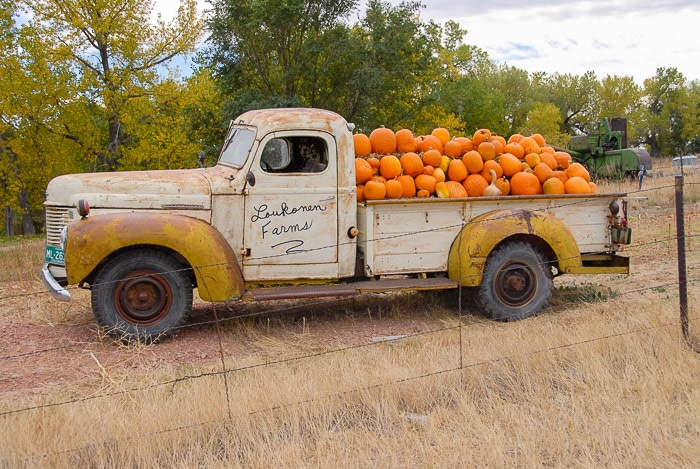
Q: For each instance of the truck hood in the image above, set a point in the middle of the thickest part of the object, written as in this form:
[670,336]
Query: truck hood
[186,189]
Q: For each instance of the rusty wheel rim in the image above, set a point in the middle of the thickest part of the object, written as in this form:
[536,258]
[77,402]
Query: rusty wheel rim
[143,298]
[516,284]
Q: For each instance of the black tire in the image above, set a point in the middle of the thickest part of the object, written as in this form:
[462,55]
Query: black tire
[142,296]
[517,283]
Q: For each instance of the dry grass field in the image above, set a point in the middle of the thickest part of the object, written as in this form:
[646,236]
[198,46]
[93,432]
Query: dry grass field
[602,378]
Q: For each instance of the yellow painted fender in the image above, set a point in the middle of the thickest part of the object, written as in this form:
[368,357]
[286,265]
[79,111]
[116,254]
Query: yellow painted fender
[92,240]
[482,234]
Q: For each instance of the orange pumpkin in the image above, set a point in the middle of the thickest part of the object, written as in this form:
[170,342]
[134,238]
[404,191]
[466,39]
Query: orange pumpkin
[422,193]
[457,171]
[439,174]
[548,159]
[453,149]
[577,169]
[466,143]
[515,138]
[383,140]
[561,175]
[504,184]
[455,190]
[442,134]
[409,186]
[491,165]
[487,150]
[523,183]
[362,145]
[428,142]
[515,149]
[475,185]
[563,159]
[539,139]
[363,171]
[412,164]
[426,182]
[499,145]
[390,167]
[405,141]
[473,161]
[577,185]
[373,162]
[543,172]
[432,158]
[360,192]
[394,189]
[529,145]
[375,190]
[553,185]
[532,159]
[510,164]
[547,149]
[480,136]
[593,186]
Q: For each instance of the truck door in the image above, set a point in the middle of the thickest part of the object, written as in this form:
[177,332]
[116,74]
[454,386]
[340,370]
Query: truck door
[291,208]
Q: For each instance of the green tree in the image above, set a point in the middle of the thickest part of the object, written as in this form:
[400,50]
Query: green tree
[691,118]
[621,97]
[662,128]
[575,96]
[377,71]
[269,53]
[29,90]
[545,119]
[396,67]
[115,53]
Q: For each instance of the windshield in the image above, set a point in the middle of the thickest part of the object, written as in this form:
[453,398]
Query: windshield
[237,147]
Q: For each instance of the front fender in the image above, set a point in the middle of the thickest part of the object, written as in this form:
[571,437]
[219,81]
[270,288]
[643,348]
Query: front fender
[92,240]
[482,234]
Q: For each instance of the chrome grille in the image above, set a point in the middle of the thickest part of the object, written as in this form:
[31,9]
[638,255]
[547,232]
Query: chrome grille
[56,219]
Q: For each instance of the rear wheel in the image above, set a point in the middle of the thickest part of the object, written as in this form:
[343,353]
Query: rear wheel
[516,284]
[142,295]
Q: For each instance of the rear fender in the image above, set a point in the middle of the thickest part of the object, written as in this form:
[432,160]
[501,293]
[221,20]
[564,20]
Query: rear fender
[477,239]
[93,240]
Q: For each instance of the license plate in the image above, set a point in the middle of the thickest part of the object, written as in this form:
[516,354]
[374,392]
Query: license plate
[54,255]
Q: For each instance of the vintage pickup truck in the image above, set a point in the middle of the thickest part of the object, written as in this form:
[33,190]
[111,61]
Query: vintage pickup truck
[278,217]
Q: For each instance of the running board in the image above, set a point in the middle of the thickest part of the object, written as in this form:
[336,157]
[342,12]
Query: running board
[348,289]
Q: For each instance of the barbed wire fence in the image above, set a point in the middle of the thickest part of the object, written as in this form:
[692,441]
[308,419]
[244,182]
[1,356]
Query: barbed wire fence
[225,371]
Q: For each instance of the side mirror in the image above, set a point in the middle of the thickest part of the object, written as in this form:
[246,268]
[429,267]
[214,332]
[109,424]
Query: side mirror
[250,178]
[200,159]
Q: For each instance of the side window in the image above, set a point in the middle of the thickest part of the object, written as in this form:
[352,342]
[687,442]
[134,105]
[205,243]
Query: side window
[294,155]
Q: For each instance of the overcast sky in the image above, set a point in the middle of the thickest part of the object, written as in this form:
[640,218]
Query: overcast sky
[608,37]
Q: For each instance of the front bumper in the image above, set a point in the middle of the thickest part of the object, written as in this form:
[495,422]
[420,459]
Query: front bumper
[55,289]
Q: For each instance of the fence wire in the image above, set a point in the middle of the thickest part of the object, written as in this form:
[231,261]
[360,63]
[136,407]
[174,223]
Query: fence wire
[225,371]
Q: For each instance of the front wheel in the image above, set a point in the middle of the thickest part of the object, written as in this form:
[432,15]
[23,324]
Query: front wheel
[516,284]
[142,295]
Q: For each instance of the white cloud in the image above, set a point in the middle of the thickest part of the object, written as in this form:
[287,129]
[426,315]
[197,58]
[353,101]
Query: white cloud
[608,37]
[623,37]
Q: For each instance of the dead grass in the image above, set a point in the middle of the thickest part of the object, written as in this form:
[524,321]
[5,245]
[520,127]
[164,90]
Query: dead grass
[603,378]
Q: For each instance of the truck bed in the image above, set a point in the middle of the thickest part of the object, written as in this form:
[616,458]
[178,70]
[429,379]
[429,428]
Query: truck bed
[403,236]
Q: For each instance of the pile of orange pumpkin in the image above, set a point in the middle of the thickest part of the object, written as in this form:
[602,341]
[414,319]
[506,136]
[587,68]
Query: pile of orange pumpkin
[392,165]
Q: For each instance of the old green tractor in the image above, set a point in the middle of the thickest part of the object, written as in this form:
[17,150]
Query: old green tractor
[606,154]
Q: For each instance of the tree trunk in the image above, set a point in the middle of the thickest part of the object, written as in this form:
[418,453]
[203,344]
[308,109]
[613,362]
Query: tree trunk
[9,221]
[27,220]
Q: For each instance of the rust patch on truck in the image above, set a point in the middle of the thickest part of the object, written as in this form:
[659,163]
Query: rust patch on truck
[475,242]
[91,241]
